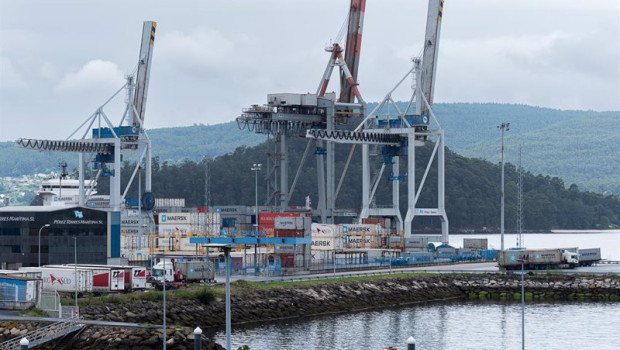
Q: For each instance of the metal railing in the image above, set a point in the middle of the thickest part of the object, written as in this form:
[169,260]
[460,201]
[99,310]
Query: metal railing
[43,335]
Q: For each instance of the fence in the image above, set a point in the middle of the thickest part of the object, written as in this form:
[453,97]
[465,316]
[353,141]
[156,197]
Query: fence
[289,265]
[50,303]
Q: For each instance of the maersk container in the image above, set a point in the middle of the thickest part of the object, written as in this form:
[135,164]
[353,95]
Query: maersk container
[589,256]
[195,270]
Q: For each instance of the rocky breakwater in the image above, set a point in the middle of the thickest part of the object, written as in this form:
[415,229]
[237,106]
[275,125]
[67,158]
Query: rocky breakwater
[541,287]
[95,337]
[254,304]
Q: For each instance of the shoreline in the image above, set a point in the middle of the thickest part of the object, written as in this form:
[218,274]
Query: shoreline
[253,303]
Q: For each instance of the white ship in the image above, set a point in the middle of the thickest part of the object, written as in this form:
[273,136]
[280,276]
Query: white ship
[65,192]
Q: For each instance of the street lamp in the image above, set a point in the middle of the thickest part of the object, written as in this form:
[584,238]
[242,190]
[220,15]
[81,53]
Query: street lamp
[226,248]
[164,311]
[39,253]
[256,168]
[504,126]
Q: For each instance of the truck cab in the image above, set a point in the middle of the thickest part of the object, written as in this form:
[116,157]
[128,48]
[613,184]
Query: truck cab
[570,258]
[160,274]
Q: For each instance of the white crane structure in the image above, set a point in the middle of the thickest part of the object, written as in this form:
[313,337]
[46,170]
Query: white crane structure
[105,144]
[399,135]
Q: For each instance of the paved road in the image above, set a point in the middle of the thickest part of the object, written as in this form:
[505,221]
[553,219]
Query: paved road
[480,267]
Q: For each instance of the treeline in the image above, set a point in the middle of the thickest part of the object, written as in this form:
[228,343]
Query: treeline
[472,189]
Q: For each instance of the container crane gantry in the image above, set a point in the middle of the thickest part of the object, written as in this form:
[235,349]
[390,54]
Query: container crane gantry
[108,142]
[399,137]
[292,114]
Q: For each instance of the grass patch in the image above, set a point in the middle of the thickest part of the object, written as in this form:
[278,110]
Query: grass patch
[36,312]
[204,295]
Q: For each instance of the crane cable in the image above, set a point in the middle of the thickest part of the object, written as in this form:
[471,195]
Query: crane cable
[343,29]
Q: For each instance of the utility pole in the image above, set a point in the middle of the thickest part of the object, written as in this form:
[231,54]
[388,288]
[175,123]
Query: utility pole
[504,126]
[520,208]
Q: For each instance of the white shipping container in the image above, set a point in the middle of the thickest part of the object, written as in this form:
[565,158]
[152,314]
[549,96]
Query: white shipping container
[284,223]
[173,230]
[174,218]
[324,243]
[356,241]
[356,229]
[323,230]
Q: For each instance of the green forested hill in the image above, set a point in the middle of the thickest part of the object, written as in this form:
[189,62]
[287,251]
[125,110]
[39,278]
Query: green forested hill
[578,146]
[472,190]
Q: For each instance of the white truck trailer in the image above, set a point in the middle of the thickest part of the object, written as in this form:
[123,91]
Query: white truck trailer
[64,280]
[589,256]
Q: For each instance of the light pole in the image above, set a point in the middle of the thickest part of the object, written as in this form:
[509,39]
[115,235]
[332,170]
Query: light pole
[504,126]
[256,168]
[75,311]
[522,261]
[228,326]
[39,253]
[226,248]
[164,289]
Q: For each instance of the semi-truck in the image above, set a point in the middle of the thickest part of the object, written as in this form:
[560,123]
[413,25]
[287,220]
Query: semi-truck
[589,256]
[535,259]
[181,270]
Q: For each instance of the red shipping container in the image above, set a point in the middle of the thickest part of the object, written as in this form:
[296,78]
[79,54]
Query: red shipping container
[287,259]
[266,221]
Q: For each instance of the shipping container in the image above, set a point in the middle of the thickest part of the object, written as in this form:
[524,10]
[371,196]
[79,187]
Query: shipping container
[195,270]
[324,230]
[589,256]
[476,243]
[324,243]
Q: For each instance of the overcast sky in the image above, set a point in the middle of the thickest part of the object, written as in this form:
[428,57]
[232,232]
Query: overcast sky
[61,59]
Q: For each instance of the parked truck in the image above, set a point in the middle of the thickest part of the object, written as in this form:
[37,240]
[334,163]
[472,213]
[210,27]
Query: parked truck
[181,270]
[112,278]
[64,279]
[535,259]
[589,256]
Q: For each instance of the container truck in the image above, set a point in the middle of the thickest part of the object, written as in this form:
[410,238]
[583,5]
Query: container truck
[537,259]
[63,280]
[589,256]
[183,270]
[104,280]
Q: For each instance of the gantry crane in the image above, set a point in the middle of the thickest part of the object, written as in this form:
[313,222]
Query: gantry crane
[289,114]
[399,135]
[108,142]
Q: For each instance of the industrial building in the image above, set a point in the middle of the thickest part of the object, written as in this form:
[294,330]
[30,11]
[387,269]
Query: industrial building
[71,229]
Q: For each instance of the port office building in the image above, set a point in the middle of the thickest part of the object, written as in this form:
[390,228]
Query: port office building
[19,235]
